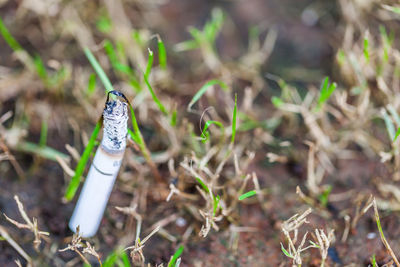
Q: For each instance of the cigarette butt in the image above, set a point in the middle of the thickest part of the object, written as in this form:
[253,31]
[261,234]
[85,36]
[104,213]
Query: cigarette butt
[95,193]
[100,180]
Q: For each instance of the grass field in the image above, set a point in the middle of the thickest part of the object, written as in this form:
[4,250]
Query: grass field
[261,132]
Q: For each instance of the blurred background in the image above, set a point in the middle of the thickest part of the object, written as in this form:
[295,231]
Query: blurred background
[314,125]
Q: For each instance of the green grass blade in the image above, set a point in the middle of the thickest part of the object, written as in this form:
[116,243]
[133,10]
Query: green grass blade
[387,41]
[204,89]
[9,38]
[138,138]
[234,121]
[397,134]
[214,26]
[162,54]
[125,259]
[324,196]
[96,66]
[76,179]
[146,80]
[115,259]
[110,260]
[40,67]
[287,254]
[113,57]
[366,48]
[43,134]
[383,238]
[155,98]
[104,24]
[394,9]
[326,91]
[313,244]
[149,64]
[135,134]
[197,35]
[45,152]
[91,83]
[216,204]
[186,46]
[276,101]
[248,194]
[324,85]
[173,117]
[203,185]
[205,134]
[373,261]
[176,255]
[110,51]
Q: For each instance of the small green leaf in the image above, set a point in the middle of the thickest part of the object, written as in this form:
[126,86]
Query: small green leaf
[387,42]
[366,48]
[114,259]
[341,57]
[248,194]
[125,259]
[397,134]
[155,98]
[214,26]
[112,54]
[314,244]
[149,64]
[287,254]
[326,91]
[203,185]
[176,255]
[91,83]
[40,67]
[186,46]
[205,134]
[276,101]
[133,136]
[103,24]
[323,197]
[203,89]
[373,261]
[216,204]
[173,118]
[162,54]
[110,260]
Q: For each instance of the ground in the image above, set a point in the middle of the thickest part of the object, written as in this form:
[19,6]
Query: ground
[314,126]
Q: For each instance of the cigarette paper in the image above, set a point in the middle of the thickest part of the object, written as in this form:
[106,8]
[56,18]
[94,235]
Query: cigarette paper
[103,171]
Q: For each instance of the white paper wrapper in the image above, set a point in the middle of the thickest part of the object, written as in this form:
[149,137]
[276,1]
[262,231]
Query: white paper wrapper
[103,171]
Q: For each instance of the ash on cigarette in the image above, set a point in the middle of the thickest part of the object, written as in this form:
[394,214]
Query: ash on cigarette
[115,119]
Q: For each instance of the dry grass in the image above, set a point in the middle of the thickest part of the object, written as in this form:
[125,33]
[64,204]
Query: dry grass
[209,160]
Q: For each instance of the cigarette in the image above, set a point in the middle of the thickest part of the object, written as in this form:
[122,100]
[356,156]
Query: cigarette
[100,180]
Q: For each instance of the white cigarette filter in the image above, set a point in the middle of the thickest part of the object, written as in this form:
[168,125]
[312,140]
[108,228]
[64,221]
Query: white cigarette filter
[94,196]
